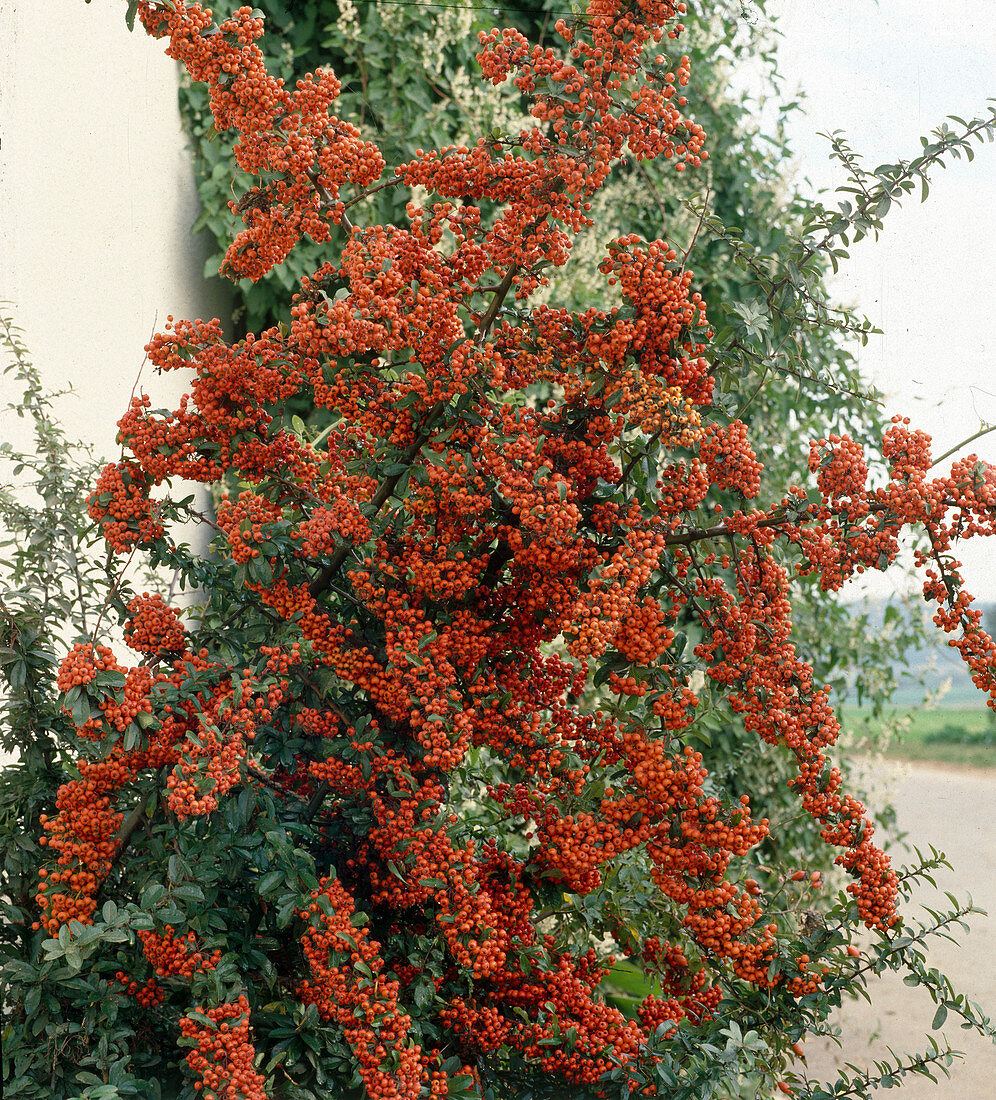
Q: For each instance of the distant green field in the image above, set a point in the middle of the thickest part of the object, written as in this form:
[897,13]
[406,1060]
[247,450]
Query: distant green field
[949,735]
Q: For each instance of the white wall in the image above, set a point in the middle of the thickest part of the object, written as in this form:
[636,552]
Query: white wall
[96,202]
[97,198]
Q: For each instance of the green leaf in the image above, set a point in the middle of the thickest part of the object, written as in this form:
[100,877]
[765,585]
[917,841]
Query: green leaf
[271,881]
[32,1000]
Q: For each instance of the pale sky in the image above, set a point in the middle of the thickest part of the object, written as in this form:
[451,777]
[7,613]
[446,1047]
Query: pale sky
[885,73]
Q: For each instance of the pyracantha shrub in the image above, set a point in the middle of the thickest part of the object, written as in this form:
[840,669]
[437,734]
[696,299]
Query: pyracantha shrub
[364,805]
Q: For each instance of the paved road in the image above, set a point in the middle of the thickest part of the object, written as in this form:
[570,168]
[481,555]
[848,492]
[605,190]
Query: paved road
[954,811]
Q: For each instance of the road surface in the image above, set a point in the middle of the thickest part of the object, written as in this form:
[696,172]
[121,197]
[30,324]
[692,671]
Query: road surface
[954,811]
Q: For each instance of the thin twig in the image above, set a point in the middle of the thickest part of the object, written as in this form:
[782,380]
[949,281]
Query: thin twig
[316,800]
[492,313]
[695,235]
[138,377]
[387,487]
[964,443]
[129,826]
[111,593]
[394,180]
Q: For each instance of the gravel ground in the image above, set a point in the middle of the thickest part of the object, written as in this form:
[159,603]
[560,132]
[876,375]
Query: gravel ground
[953,810]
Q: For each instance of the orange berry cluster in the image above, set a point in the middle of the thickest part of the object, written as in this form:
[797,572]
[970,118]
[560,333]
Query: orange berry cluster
[857,529]
[374,1026]
[686,990]
[152,627]
[203,744]
[84,836]
[224,1055]
[83,663]
[286,137]
[174,956]
[120,694]
[729,460]
[149,994]
[557,995]
[208,766]
[120,504]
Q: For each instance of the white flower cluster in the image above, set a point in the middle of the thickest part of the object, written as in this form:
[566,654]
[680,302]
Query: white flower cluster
[348,23]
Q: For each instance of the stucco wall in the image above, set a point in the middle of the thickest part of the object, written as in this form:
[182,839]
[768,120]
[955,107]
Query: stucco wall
[96,203]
